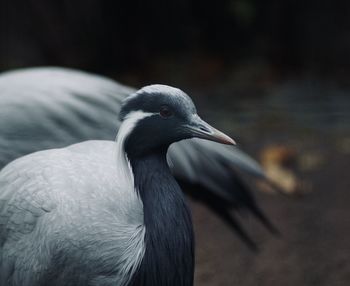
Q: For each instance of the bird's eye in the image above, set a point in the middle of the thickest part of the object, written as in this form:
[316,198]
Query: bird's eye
[165,112]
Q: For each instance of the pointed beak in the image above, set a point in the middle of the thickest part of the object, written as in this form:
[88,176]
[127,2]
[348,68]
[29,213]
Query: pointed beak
[200,129]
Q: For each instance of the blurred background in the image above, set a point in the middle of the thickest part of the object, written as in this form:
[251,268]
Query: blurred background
[273,74]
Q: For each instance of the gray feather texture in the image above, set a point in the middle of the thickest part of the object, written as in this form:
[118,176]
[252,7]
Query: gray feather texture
[57,214]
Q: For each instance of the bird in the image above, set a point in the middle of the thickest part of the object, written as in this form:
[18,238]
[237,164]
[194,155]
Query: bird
[104,212]
[51,107]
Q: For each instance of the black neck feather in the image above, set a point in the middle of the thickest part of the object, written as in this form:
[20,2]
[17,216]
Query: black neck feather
[169,256]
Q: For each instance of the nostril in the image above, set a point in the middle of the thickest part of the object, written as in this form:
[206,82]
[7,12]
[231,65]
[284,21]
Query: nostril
[203,129]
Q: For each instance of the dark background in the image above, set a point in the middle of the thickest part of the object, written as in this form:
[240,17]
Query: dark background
[270,73]
[118,36]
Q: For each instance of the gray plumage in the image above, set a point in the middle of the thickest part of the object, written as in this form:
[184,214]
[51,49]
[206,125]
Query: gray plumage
[58,226]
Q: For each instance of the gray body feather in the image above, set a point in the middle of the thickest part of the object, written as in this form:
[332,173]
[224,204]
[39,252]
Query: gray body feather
[65,209]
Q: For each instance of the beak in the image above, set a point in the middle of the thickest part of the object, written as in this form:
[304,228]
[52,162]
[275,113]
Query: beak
[200,129]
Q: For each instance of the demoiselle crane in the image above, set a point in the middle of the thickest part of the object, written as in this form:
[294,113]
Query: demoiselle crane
[44,108]
[102,212]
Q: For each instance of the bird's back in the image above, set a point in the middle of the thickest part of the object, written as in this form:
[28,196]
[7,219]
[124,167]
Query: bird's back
[63,212]
[44,108]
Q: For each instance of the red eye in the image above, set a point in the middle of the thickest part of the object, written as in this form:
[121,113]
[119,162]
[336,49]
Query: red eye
[165,112]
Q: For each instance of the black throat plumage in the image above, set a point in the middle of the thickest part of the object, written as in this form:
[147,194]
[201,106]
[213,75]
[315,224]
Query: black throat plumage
[169,239]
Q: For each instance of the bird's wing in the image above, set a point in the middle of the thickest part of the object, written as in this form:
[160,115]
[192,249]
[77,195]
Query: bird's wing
[211,165]
[22,204]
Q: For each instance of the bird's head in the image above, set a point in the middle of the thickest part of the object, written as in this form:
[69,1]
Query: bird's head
[158,115]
